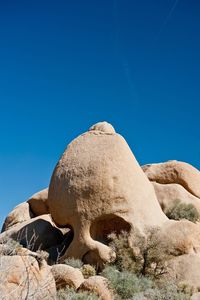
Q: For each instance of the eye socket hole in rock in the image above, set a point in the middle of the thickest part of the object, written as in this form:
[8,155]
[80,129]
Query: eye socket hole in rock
[100,230]
[107,224]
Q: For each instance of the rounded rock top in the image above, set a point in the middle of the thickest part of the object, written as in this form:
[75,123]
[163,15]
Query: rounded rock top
[103,127]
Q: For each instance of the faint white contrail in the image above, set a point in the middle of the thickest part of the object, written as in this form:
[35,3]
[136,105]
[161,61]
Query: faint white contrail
[120,55]
[167,18]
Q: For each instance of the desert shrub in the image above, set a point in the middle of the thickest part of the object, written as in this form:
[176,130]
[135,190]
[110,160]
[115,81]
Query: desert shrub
[88,271]
[128,285]
[186,288]
[146,255]
[180,211]
[126,258]
[9,247]
[75,263]
[155,255]
[168,292]
[42,254]
[71,294]
[125,284]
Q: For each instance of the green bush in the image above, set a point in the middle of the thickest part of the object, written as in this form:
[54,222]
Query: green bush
[127,258]
[88,271]
[42,254]
[125,284]
[75,263]
[71,294]
[168,292]
[180,211]
[9,247]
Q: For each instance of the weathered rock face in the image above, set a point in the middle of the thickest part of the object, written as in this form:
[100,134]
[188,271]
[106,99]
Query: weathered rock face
[167,194]
[22,277]
[98,187]
[181,237]
[175,172]
[180,242]
[39,203]
[185,269]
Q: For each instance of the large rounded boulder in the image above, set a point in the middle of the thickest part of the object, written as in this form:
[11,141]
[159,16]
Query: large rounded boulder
[174,171]
[98,187]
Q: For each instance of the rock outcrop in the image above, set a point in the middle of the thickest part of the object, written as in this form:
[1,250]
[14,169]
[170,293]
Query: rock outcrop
[175,171]
[98,188]
[181,237]
[168,194]
[185,270]
[21,213]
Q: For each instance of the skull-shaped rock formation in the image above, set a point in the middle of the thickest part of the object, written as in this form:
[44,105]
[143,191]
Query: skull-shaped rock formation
[98,187]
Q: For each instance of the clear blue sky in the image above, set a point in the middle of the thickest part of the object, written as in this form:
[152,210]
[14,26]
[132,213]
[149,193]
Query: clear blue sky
[65,65]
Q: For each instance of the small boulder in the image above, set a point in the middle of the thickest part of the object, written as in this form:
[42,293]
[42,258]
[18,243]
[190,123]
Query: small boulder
[103,127]
[65,275]
[39,203]
[35,206]
[98,285]
[23,277]
[21,213]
